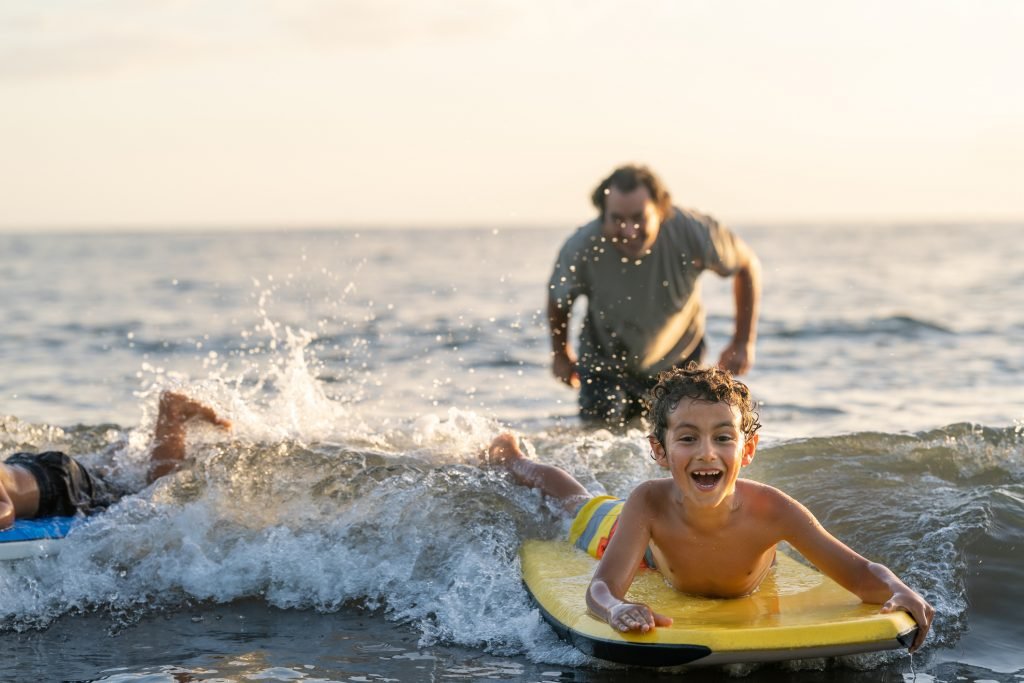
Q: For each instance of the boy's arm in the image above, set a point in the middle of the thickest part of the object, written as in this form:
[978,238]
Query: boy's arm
[6,507]
[870,581]
[607,590]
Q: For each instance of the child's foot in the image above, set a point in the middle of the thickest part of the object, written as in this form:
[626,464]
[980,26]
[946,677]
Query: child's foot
[504,450]
[178,408]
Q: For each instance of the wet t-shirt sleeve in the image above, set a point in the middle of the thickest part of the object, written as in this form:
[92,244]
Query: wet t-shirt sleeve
[718,246]
[568,278]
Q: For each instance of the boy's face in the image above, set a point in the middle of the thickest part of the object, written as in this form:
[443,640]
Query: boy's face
[704,450]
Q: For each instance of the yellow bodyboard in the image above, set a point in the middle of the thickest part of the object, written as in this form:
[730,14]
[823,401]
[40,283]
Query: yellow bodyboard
[796,613]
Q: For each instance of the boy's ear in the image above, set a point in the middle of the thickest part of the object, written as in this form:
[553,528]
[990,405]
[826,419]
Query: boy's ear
[658,451]
[749,448]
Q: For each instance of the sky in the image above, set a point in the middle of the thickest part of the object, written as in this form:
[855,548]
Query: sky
[197,114]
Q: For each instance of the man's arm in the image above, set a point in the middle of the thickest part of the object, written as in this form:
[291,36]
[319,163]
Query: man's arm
[870,581]
[738,356]
[607,590]
[563,359]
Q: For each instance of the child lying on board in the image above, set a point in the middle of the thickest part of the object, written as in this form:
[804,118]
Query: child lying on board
[55,484]
[707,531]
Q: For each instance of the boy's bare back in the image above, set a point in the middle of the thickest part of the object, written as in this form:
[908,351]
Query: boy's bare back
[19,494]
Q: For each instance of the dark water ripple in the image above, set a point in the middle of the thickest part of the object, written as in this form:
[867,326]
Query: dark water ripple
[900,326]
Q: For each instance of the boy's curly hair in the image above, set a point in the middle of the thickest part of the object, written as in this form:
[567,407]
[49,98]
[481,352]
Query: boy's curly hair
[703,384]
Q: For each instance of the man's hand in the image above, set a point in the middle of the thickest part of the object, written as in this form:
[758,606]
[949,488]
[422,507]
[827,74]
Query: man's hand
[737,358]
[632,616]
[563,366]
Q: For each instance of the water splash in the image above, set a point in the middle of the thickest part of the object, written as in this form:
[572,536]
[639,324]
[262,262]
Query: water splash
[317,503]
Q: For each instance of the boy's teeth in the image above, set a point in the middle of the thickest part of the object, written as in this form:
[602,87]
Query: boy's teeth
[706,478]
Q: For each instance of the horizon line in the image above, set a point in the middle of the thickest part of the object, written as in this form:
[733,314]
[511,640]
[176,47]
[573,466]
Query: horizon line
[156,228]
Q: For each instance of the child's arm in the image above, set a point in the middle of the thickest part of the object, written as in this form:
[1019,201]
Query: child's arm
[870,581]
[6,507]
[607,590]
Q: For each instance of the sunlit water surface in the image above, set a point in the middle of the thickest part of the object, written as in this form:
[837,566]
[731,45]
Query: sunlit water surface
[344,530]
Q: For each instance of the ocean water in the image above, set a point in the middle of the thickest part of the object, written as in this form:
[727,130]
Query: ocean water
[344,530]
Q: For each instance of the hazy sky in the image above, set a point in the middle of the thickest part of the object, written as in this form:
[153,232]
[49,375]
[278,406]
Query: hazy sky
[135,113]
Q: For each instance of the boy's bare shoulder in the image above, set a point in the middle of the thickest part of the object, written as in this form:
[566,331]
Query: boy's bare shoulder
[765,500]
[651,494]
[657,487]
[755,488]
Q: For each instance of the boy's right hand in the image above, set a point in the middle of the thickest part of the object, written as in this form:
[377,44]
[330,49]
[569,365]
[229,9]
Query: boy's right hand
[634,616]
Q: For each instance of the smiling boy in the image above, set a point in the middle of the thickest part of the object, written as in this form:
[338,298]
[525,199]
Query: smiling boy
[707,531]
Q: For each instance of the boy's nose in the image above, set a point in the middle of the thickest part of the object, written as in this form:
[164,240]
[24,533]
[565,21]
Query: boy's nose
[705,451]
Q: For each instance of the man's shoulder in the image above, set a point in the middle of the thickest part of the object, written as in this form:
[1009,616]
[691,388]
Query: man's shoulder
[690,220]
[581,245]
[585,234]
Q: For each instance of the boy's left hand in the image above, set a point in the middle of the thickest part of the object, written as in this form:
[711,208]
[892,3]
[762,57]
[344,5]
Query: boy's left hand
[917,607]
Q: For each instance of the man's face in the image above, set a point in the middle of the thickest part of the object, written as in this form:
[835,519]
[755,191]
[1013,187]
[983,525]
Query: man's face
[631,221]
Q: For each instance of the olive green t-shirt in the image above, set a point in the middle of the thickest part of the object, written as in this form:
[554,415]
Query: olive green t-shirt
[643,314]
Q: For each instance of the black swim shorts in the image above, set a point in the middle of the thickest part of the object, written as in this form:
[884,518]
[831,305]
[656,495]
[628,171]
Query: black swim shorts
[612,395]
[65,487]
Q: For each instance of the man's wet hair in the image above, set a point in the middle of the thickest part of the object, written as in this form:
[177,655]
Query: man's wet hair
[628,178]
[702,384]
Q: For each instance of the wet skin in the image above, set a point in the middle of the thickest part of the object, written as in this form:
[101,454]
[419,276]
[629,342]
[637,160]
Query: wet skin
[715,535]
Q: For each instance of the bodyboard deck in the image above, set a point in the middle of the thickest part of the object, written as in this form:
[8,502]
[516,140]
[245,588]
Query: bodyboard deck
[796,613]
[34,537]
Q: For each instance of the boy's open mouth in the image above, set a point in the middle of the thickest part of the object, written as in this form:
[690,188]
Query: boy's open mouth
[706,479]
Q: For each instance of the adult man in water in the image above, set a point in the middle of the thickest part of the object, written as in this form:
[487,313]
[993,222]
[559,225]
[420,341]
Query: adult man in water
[638,264]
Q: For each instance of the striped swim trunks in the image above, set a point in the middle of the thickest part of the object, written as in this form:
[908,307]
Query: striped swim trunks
[594,526]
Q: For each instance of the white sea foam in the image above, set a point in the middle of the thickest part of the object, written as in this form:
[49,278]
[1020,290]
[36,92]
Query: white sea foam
[364,378]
